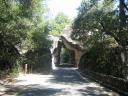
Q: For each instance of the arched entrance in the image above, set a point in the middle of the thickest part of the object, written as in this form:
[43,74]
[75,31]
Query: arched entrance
[66,50]
[67,54]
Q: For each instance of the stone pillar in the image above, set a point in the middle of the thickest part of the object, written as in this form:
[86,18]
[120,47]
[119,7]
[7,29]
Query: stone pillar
[78,55]
[72,57]
[58,53]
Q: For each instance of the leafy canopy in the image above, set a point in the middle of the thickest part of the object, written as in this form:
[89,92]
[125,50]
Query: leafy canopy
[57,24]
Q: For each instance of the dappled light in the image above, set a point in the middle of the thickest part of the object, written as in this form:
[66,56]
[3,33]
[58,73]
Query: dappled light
[63,47]
[62,82]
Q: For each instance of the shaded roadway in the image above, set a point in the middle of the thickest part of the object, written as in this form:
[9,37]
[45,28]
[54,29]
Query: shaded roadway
[62,82]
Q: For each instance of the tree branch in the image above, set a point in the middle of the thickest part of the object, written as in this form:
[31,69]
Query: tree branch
[125,6]
[109,33]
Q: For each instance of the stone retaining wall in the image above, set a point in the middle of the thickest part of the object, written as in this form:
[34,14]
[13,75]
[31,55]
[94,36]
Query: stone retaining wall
[118,84]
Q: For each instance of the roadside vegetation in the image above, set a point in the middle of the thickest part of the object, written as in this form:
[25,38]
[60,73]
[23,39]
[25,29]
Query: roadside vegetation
[24,36]
[22,29]
[102,27]
[57,24]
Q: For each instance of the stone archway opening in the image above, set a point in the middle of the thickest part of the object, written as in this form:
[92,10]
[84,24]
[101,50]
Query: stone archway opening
[67,57]
[67,52]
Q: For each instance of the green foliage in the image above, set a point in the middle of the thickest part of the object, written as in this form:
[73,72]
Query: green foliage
[10,35]
[103,60]
[101,27]
[57,24]
[38,60]
[22,27]
[99,17]
[64,55]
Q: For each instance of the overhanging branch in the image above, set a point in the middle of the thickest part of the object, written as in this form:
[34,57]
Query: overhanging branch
[125,6]
[109,33]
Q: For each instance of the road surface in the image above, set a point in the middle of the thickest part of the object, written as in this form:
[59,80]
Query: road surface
[62,82]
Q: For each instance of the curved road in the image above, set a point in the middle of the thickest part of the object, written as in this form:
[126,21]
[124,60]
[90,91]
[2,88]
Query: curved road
[62,82]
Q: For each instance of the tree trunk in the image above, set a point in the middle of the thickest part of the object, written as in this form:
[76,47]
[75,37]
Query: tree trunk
[124,58]
[122,14]
[124,50]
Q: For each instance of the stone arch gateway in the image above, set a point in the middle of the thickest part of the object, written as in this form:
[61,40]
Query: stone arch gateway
[74,48]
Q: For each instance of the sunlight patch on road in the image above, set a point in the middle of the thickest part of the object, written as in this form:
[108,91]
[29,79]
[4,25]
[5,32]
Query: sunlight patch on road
[32,79]
[70,88]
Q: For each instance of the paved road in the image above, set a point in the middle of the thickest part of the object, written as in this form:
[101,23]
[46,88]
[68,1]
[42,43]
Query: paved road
[62,82]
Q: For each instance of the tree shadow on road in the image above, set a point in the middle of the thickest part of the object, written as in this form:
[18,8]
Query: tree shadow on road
[70,77]
[62,82]
[30,90]
[64,76]
[95,91]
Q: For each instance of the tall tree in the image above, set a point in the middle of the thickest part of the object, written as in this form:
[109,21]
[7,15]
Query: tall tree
[22,27]
[98,20]
[57,25]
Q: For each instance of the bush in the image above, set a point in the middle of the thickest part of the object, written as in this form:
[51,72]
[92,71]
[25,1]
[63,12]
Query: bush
[103,60]
[38,60]
[8,60]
